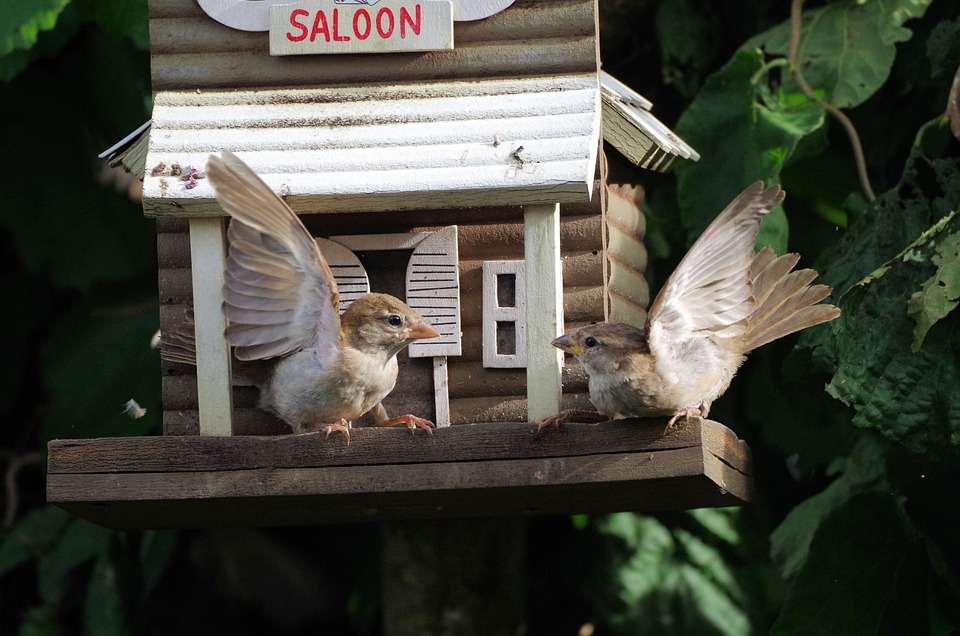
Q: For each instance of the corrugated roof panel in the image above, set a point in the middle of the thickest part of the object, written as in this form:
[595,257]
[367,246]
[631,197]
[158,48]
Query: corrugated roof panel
[439,145]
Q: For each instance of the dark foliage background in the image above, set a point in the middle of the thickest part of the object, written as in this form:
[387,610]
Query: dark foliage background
[855,426]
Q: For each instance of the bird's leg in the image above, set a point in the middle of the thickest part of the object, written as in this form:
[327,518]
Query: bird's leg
[410,421]
[570,415]
[341,426]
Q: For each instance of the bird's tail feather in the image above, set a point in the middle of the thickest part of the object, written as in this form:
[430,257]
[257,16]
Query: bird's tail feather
[785,300]
[180,343]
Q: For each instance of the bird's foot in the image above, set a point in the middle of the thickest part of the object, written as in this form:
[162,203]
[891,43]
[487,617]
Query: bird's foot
[410,421]
[686,414]
[570,415]
[342,426]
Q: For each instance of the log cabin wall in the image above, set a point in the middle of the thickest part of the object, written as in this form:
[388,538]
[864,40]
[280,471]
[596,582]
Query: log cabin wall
[476,394]
[531,38]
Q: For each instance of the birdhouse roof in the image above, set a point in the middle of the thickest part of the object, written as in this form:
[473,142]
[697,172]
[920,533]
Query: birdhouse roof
[630,127]
[511,115]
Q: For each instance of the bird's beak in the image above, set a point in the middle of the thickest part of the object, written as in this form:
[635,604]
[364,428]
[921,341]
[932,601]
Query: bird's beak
[568,345]
[420,330]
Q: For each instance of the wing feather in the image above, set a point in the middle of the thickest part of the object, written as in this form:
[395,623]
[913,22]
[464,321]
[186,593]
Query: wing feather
[279,293]
[709,294]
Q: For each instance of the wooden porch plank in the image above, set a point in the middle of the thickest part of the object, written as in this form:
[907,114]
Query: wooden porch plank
[462,471]
[376,445]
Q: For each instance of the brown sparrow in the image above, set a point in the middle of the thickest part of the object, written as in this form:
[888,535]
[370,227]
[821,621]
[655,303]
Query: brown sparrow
[721,302]
[281,304]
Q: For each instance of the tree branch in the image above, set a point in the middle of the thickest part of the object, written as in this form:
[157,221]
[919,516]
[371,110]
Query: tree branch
[796,21]
[17,462]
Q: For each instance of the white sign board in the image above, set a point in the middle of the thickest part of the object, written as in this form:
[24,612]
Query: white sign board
[360,26]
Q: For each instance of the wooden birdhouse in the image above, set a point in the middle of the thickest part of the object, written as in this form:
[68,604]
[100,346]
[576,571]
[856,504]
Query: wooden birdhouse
[448,153]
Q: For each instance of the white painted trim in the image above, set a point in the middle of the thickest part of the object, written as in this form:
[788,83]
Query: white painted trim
[375,242]
[441,392]
[214,376]
[544,318]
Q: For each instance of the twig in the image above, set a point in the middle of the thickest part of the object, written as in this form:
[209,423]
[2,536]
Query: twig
[953,105]
[17,461]
[796,20]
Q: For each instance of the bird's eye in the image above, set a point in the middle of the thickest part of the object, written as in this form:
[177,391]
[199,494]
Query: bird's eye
[395,320]
[590,342]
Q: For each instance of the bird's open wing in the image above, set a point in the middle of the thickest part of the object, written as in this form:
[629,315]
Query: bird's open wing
[279,295]
[709,292]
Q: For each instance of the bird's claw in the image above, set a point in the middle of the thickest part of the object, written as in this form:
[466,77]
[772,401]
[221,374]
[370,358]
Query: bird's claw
[569,415]
[410,421]
[553,420]
[686,414]
[342,426]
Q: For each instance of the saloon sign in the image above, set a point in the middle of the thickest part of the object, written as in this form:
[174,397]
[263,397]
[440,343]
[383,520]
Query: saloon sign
[374,26]
[351,26]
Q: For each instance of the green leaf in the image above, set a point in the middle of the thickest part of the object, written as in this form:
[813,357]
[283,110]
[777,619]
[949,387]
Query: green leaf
[82,543]
[21,21]
[32,537]
[943,48]
[120,18]
[864,574]
[45,44]
[863,471]
[940,293]
[156,549]
[909,396]
[742,135]
[847,48]
[41,621]
[928,190]
[103,609]
[688,43]
[651,579]
[82,232]
[115,342]
[774,231]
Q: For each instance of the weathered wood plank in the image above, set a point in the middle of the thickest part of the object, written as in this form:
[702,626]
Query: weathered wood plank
[375,445]
[481,470]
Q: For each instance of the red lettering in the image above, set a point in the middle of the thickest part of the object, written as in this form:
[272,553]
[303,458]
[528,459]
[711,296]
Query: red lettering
[362,35]
[385,12]
[320,27]
[336,28]
[405,19]
[297,13]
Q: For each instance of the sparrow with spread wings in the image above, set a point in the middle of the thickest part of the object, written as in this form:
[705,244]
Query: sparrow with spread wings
[721,302]
[323,370]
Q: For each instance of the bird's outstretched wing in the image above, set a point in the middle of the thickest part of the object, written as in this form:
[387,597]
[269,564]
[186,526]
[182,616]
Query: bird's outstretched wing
[710,293]
[279,294]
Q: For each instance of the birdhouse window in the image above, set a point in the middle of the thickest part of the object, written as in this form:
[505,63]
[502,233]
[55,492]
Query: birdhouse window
[351,277]
[432,285]
[432,279]
[504,310]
